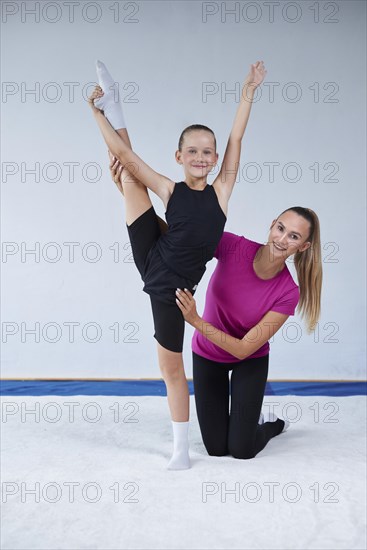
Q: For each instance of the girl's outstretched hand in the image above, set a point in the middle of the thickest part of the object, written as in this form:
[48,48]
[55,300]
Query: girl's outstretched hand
[116,169]
[257,74]
[187,304]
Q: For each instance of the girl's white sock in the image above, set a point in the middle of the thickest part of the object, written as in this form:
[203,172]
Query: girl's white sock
[109,103]
[180,459]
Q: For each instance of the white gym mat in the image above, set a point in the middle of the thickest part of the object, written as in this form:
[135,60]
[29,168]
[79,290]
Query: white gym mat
[89,472]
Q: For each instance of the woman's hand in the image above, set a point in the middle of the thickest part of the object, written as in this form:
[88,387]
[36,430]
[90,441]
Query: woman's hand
[256,75]
[187,305]
[116,169]
[97,93]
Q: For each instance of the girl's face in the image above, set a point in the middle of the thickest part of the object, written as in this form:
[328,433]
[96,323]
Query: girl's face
[198,155]
[288,235]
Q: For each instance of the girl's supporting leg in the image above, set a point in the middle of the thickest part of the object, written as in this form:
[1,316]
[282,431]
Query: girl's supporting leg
[211,385]
[246,437]
[137,202]
[173,373]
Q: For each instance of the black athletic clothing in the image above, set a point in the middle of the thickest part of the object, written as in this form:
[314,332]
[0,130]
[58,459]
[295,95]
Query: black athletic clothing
[195,226]
[169,324]
[143,234]
[196,223]
[235,432]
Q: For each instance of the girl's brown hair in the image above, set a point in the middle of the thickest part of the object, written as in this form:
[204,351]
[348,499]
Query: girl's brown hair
[193,128]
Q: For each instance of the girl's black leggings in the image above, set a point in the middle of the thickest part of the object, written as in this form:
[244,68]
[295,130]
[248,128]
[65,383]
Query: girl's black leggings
[233,431]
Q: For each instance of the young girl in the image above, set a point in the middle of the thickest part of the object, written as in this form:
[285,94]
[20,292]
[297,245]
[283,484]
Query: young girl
[249,297]
[196,214]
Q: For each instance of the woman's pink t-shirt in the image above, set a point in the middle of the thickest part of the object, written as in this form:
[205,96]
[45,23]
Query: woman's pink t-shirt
[237,299]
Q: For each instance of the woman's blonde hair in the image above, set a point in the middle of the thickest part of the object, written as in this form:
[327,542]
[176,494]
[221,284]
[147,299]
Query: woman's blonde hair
[308,265]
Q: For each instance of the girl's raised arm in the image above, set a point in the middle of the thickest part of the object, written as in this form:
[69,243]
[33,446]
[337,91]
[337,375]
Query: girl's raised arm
[159,184]
[227,176]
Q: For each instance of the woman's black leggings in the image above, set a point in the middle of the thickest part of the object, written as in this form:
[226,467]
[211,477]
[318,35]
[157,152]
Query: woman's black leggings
[235,432]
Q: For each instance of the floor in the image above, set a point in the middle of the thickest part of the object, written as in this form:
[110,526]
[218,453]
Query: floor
[89,472]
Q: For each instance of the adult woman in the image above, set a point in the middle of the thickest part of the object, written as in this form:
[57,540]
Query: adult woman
[249,297]
[196,214]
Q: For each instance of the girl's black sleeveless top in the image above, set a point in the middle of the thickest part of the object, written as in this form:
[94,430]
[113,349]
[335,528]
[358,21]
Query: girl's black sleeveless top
[195,226]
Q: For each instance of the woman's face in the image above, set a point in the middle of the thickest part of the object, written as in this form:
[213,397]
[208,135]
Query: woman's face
[198,155]
[288,235]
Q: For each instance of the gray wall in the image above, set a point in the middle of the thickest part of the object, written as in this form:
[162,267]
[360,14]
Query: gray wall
[176,63]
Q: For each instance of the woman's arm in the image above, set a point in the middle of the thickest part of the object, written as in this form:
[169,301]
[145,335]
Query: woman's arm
[251,342]
[158,183]
[227,176]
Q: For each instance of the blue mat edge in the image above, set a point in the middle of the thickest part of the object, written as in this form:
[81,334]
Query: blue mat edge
[158,388]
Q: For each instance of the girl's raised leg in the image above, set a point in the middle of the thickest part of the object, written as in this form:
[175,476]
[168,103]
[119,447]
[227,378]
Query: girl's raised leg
[137,200]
